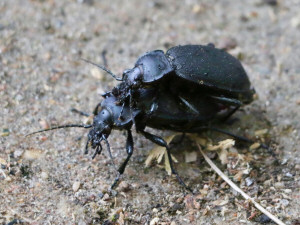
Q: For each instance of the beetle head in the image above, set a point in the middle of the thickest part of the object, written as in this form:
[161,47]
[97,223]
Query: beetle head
[101,128]
[133,77]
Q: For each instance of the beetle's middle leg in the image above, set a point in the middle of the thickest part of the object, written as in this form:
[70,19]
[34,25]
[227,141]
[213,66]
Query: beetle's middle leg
[161,142]
[129,150]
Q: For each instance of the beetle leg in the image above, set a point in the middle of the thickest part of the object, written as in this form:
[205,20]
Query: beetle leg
[235,136]
[153,108]
[189,105]
[241,138]
[161,142]
[97,151]
[129,150]
[87,146]
[122,109]
[229,101]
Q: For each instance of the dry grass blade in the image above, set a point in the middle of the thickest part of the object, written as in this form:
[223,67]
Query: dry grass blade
[236,188]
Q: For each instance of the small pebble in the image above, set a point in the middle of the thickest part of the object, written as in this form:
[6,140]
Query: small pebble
[100,195]
[227,43]
[32,154]
[197,9]
[76,186]
[8,179]
[44,124]
[105,197]
[261,132]
[154,221]
[45,176]
[284,202]
[18,153]
[279,185]
[288,174]
[268,183]
[249,181]
[123,186]
[190,156]
[295,21]
[287,191]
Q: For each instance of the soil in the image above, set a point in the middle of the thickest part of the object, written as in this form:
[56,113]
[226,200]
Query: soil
[46,178]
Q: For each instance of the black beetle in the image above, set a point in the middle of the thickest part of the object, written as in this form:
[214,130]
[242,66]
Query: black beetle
[212,69]
[167,113]
[187,89]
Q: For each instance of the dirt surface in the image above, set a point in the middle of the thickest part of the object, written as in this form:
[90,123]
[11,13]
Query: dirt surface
[46,179]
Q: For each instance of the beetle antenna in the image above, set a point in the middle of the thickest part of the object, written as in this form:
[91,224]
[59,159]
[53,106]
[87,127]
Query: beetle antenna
[103,68]
[59,127]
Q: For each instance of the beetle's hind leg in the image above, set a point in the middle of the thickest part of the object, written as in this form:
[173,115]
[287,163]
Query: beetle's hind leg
[161,142]
[238,137]
[228,101]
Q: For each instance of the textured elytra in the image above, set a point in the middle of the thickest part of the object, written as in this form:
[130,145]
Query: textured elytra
[211,67]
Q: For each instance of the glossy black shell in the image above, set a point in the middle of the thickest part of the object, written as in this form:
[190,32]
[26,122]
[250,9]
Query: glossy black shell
[212,68]
[154,65]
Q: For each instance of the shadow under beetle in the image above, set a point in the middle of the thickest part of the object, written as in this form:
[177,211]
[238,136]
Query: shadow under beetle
[188,89]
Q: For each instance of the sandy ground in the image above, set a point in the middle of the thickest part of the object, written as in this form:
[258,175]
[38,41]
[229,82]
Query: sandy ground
[45,179]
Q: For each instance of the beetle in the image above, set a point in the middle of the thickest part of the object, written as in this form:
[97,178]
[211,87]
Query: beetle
[186,90]
[212,69]
[168,113]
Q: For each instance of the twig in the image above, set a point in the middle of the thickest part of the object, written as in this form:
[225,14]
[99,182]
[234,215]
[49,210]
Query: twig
[235,187]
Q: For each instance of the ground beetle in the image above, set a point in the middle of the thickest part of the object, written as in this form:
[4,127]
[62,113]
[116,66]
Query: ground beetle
[187,89]
[168,113]
[212,69]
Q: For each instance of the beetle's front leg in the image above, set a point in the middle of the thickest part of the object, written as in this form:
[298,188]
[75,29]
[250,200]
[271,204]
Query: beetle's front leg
[161,142]
[129,150]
